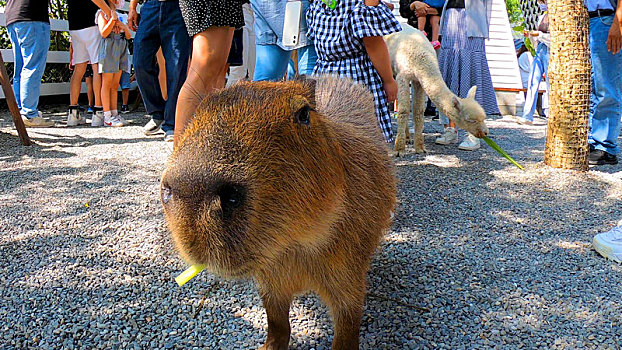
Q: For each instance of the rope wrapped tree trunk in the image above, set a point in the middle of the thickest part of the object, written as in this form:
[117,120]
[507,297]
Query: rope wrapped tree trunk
[570,85]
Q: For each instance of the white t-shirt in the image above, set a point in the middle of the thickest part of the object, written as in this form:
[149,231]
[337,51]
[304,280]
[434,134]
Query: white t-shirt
[524,65]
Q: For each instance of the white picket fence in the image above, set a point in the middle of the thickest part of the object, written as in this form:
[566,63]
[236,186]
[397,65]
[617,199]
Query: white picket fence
[48,89]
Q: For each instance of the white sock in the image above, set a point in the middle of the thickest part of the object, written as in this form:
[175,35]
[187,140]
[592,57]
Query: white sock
[107,114]
[115,112]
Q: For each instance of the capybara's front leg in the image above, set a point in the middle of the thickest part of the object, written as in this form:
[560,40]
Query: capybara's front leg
[277,310]
[345,300]
[347,327]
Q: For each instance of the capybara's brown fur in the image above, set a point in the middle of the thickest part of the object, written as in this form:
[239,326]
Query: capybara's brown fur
[289,183]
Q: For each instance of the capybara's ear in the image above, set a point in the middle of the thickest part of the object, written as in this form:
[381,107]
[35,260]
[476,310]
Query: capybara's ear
[309,84]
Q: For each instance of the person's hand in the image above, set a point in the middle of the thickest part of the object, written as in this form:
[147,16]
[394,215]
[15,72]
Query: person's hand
[389,5]
[114,16]
[70,65]
[614,40]
[390,87]
[132,19]
[117,29]
[420,8]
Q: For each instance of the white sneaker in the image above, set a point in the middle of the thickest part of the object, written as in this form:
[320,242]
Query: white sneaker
[121,119]
[97,119]
[449,136]
[153,126]
[74,118]
[524,121]
[169,136]
[113,121]
[609,244]
[37,122]
[470,143]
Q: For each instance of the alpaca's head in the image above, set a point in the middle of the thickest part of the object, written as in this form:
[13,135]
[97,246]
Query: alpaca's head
[470,115]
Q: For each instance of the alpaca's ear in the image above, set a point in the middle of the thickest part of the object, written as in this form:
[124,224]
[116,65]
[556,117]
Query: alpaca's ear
[472,91]
[456,103]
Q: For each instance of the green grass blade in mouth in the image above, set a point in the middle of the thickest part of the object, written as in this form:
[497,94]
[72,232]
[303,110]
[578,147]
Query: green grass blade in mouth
[496,147]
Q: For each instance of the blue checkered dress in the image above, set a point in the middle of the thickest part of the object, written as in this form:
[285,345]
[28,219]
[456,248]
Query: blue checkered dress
[338,37]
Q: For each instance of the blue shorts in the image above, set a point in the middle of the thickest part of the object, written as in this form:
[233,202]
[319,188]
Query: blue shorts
[125,80]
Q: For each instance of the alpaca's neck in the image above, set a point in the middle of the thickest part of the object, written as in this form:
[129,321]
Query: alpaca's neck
[429,76]
[442,97]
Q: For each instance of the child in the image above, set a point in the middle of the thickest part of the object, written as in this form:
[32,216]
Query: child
[434,12]
[348,40]
[113,59]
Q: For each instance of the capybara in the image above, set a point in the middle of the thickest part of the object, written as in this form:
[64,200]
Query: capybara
[289,183]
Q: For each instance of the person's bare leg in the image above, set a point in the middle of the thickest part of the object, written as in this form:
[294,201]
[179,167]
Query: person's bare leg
[210,50]
[162,74]
[421,23]
[89,90]
[106,82]
[97,85]
[434,21]
[76,82]
[113,90]
[125,95]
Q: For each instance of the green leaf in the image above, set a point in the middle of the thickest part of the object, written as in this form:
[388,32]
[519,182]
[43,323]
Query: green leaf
[496,147]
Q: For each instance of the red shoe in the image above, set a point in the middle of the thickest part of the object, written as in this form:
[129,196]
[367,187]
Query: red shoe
[436,45]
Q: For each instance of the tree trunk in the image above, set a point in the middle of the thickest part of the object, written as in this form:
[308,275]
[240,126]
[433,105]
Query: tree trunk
[570,85]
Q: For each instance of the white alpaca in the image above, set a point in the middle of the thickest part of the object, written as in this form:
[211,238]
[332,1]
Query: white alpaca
[414,61]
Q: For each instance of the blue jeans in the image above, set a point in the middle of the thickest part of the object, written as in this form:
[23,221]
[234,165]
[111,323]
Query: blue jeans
[124,82]
[31,41]
[272,62]
[606,98]
[161,24]
[539,66]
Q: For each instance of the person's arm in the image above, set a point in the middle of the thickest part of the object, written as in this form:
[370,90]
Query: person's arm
[126,30]
[132,17]
[420,8]
[379,54]
[110,12]
[614,40]
[105,26]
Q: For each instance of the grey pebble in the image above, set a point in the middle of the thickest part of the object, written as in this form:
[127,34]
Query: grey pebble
[480,255]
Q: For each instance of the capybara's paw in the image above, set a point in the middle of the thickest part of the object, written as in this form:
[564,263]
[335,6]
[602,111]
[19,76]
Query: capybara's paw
[420,149]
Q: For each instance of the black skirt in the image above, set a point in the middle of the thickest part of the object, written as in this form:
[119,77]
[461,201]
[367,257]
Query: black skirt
[200,15]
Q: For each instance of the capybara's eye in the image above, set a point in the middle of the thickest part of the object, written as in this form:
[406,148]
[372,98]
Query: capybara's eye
[166,194]
[302,115]
[231,197]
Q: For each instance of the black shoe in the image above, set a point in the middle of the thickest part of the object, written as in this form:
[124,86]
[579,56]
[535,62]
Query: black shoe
[125,109]
[600,157]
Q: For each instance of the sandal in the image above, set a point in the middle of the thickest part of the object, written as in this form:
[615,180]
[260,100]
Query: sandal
[436,44]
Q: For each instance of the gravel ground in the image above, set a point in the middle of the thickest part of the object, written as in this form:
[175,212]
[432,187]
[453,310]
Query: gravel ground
[481,254]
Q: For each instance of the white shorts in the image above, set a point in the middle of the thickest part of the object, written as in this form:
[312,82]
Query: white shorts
[85,45]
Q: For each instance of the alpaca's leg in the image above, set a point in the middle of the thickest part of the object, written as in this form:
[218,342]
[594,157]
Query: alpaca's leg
[419,102]
[403,111]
